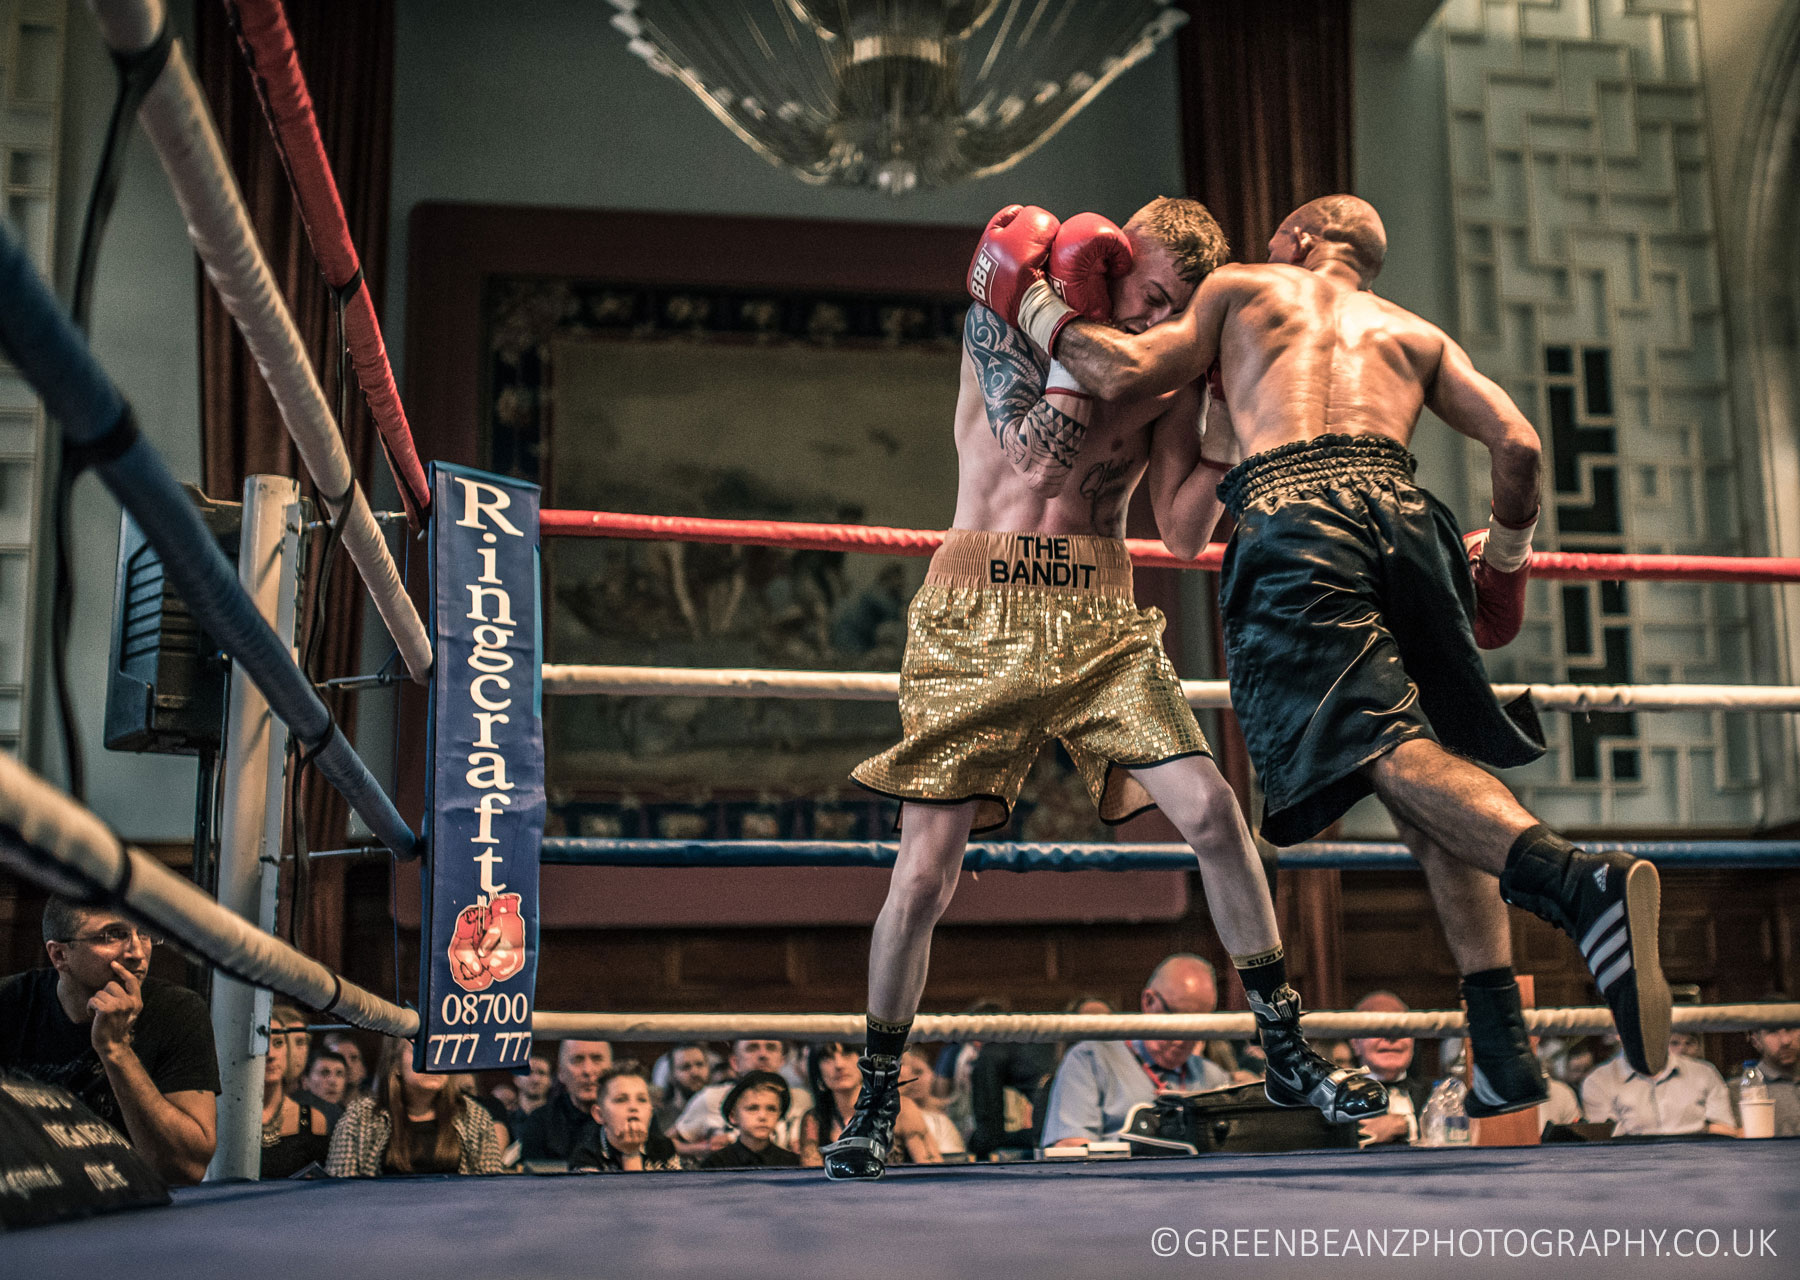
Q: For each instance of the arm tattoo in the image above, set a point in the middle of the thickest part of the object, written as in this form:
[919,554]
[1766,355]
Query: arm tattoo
[1035,435]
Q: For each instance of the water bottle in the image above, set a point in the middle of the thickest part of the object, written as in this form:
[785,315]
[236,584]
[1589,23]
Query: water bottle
[1756,1112]
[1751,1086]
[1445,1123]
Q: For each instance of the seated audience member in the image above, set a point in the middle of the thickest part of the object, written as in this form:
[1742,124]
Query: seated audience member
[916,1079]
[1687,1045]
[554,1130]
[1686,1096]
[756,1104]
[702,1128]
[531,1088]
[327,1079]
[1563,1107]
[622,1140]
[291,1026]
[294,1133]
[414,1123]
[686,1069]
[137,1050]
[1778,1060]
[1007,1084]
[1390,1060]
[955,1070]
[1100,1081]
[832,1072]
[1339,1052]
[356,1067]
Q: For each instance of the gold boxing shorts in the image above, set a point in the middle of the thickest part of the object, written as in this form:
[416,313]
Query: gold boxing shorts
[1018,638]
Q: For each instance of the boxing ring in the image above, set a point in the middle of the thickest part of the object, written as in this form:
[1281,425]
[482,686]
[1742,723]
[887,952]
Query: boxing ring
[1130,1217]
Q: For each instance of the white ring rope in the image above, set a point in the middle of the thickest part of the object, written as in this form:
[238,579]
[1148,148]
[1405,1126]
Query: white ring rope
[1039,1028]
[877,686]
[179,125]
[68,850]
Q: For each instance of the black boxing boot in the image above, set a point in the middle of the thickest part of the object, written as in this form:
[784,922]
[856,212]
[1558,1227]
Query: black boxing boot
[1298,1077]
[861,1150]
[1609,903]
[1504,1074]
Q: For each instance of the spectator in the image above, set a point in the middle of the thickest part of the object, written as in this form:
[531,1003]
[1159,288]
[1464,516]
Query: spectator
[831,1070]
[327,1078]
[702,1129]
[137,1050]
[552,1132]
[1007,1085]
[1573,1063]
[1100,1081]
[531,1088]
[687,1067]
[1778,1059]
[916,1084]
[755,1105]
[1390,1060]
[1563,1106]
[1339,1052]
[294,1133]
[955,1070]
[1688,1046]
[622,1141]
[356,1066]
[1686,1096]
[287,1022]
[414,1123]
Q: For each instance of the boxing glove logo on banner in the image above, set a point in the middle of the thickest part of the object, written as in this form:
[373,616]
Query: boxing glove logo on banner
[488,945]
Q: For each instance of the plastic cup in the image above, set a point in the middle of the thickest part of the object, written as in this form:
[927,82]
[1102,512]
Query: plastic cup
[1758,1117]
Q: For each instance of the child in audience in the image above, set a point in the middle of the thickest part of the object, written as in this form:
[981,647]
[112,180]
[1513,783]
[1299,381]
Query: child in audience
[755,1105]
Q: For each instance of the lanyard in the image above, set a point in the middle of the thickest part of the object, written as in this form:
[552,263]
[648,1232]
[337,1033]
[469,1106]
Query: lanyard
[1162,1083]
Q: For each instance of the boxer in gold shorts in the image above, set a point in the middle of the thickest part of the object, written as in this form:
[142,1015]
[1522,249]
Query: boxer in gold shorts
[1025,630]
[1017,638]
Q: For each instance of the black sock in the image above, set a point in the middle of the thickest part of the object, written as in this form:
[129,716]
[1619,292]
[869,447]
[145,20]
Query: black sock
[1263,974]
[1491,979]
[1540,840]
[887,1039]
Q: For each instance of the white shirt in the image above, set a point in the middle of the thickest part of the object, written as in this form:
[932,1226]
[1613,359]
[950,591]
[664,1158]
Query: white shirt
[1684,1097]
[1563,1107]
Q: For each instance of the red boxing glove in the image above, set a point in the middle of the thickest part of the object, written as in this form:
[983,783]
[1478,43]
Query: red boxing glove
[467,965]
[1011,257]
[1088,255]
[1500,563]
[504,943]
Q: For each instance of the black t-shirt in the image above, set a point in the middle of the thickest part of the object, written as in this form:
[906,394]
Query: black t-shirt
[554,1130]
[173,1038]
[738,1156]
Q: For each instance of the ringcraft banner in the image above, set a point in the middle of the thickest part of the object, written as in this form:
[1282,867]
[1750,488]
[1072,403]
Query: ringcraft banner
[485,809]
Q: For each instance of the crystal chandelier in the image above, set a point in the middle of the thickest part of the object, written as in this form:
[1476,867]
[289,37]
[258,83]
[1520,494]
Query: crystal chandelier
[895,94]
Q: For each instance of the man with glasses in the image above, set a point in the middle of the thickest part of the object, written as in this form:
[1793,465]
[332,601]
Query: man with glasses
[1100,1081]
[136,1050]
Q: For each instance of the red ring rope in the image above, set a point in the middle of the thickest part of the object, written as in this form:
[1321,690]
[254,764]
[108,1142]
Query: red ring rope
[268,46]
[1144,551]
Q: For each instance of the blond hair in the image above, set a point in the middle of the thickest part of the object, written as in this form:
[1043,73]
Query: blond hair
[1187,229]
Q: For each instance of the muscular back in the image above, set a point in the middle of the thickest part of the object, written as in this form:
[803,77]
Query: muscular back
[1304,355]
[1028,463]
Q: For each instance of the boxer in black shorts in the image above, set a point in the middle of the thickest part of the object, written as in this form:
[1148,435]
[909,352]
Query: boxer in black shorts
[1352,616]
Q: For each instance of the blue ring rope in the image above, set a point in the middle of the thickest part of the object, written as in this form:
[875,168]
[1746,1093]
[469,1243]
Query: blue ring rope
[39,338]
[1001,856]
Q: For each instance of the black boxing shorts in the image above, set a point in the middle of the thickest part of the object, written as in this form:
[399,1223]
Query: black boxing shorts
[1347,606]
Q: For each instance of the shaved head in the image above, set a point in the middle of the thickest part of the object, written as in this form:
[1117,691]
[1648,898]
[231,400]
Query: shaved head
[1345,221]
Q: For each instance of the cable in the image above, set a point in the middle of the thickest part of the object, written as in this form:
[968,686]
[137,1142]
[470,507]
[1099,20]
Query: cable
[136,73]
